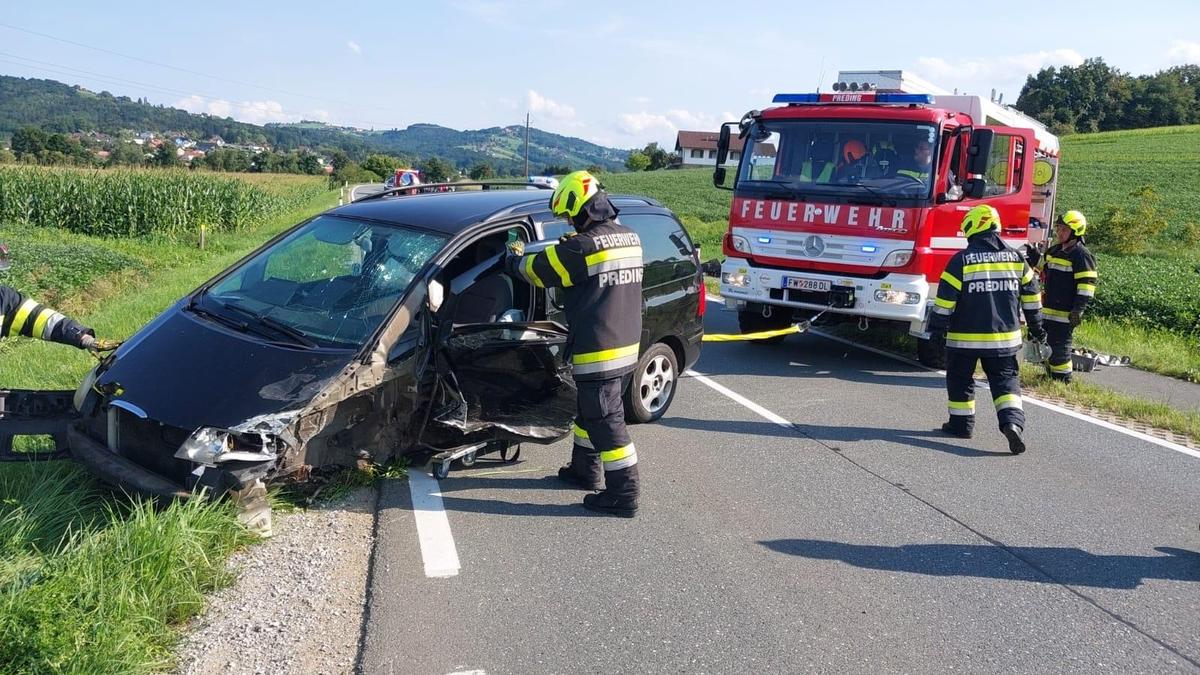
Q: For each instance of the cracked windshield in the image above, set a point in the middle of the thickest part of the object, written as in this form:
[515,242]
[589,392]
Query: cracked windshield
[331,282]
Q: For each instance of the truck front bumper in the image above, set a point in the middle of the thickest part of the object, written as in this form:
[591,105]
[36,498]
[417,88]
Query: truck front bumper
[896,297]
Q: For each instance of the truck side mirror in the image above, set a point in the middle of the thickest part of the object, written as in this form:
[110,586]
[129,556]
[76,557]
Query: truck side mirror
[979,150]
[712,268]
[722,155]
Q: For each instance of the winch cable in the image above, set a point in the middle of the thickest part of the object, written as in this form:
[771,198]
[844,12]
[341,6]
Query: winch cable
[765,334]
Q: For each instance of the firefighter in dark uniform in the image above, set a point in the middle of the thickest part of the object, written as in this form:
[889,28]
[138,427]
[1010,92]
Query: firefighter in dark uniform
[1069,271]
[600,272]
[20,315]
[978,305]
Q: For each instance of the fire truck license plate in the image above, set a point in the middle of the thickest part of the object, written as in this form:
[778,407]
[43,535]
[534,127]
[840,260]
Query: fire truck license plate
[802,284]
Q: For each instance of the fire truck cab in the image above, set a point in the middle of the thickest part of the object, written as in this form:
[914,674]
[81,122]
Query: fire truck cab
[849,202]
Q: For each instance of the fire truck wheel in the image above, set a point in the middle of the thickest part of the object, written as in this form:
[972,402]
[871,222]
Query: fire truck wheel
[932,353]
[752,321]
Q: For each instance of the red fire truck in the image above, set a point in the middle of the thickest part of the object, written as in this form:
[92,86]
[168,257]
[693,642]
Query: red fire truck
[849,202]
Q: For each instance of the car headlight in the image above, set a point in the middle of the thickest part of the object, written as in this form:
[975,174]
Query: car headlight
[898,258]
[739,243]
[210,446]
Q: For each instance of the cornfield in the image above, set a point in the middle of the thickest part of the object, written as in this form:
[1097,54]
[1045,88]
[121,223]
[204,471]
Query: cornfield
[131,203]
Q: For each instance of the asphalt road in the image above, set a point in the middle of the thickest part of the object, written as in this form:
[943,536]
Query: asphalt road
[829,530]
[364,189]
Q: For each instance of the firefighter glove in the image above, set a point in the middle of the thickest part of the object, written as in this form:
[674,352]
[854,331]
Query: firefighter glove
[1076,318]
[516,248]
[1033,256]
[1038,335]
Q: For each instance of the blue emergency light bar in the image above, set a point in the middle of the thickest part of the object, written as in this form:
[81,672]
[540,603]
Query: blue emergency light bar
[882,98]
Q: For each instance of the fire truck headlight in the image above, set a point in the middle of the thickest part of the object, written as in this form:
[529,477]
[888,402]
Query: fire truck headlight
[897,297]
[898,258]
[739,244]
[739,279]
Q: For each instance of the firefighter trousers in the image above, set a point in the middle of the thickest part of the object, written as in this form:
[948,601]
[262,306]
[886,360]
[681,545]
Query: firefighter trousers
[1003,375]
[1058,336]
[602,441]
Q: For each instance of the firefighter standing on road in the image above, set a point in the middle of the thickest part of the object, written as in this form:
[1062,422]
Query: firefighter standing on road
[1070,283]
[600,271]
[978,305]
[24,316]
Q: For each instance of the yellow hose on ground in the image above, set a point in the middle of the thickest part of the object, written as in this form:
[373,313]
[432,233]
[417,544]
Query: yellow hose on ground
[761,335]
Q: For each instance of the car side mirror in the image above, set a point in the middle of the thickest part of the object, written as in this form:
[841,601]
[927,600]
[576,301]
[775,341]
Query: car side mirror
[712,268]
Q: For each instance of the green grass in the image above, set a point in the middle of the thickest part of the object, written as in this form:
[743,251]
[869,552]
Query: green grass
[704,209]
[1155,350]
[1102,169]
[89,583]
[96,586]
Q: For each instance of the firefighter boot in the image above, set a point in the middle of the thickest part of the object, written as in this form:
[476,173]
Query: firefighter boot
[1016,444]
[619,497]
[958,428]
[584,470]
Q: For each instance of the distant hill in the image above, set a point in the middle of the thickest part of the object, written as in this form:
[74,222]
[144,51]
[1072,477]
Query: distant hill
[57,107]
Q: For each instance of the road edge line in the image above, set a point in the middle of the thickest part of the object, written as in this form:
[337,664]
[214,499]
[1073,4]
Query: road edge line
[433,527]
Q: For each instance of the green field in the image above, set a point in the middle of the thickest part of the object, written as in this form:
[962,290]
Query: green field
[88,582]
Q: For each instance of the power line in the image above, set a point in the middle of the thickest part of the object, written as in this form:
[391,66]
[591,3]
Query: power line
[182,70]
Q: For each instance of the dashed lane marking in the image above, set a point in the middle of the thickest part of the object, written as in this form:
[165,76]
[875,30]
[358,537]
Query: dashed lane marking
[433,528]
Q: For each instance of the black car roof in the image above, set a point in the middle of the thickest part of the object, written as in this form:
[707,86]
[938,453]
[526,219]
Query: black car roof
[453,212]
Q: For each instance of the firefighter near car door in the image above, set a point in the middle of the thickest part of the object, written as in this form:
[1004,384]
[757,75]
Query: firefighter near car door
[600,272]
[979,300]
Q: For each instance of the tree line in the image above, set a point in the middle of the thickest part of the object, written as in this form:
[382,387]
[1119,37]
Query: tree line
[1095,96]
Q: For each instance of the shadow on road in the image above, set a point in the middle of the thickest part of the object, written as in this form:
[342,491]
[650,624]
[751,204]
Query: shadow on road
[834,434]
[1070,566]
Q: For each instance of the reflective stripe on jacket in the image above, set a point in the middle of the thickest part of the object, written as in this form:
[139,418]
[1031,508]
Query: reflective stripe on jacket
[1070,281]
[600,272]
[20,315]
[981,296]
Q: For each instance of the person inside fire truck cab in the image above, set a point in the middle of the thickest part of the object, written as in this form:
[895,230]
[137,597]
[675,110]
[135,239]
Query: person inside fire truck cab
[600,272]
[852,162]
[20,315]
[1070,279]
[921,163]
[977,311]
[819,165]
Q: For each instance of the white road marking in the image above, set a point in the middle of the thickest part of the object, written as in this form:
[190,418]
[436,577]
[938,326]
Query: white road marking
[1025,396]
[734,396]
[433,528]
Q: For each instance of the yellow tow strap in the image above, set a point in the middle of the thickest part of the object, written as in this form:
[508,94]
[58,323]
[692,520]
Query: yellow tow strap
[761,335]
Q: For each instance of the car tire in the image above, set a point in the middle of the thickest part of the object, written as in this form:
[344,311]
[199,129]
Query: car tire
[652,387]
[752,321]
[932,353]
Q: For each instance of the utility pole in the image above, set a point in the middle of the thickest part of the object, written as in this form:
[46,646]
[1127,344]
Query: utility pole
[526,144]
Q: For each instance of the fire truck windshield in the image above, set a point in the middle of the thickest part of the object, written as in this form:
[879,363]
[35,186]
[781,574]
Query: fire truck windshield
[892,160]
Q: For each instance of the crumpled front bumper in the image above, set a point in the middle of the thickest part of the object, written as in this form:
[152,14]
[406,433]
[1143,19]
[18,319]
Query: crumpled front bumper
[119,471]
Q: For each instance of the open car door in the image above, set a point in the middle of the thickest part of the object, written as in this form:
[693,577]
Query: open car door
[503,381]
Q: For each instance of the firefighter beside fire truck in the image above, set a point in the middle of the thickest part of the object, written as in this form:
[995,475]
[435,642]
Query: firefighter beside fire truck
[1070,278]
[980,297]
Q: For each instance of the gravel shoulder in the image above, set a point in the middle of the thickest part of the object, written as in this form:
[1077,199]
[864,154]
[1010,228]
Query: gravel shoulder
[298,601]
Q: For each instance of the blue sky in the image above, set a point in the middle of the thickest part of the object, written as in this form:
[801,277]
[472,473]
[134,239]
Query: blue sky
[618,73]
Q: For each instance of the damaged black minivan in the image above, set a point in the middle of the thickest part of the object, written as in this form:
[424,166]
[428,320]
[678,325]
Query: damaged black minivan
[383,327]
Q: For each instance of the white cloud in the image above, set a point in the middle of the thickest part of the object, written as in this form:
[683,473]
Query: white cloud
[644,126]
[1183,52]
[319,115]
[540,105]
[640,100]
[996,71]
[353,46]
[254,112]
